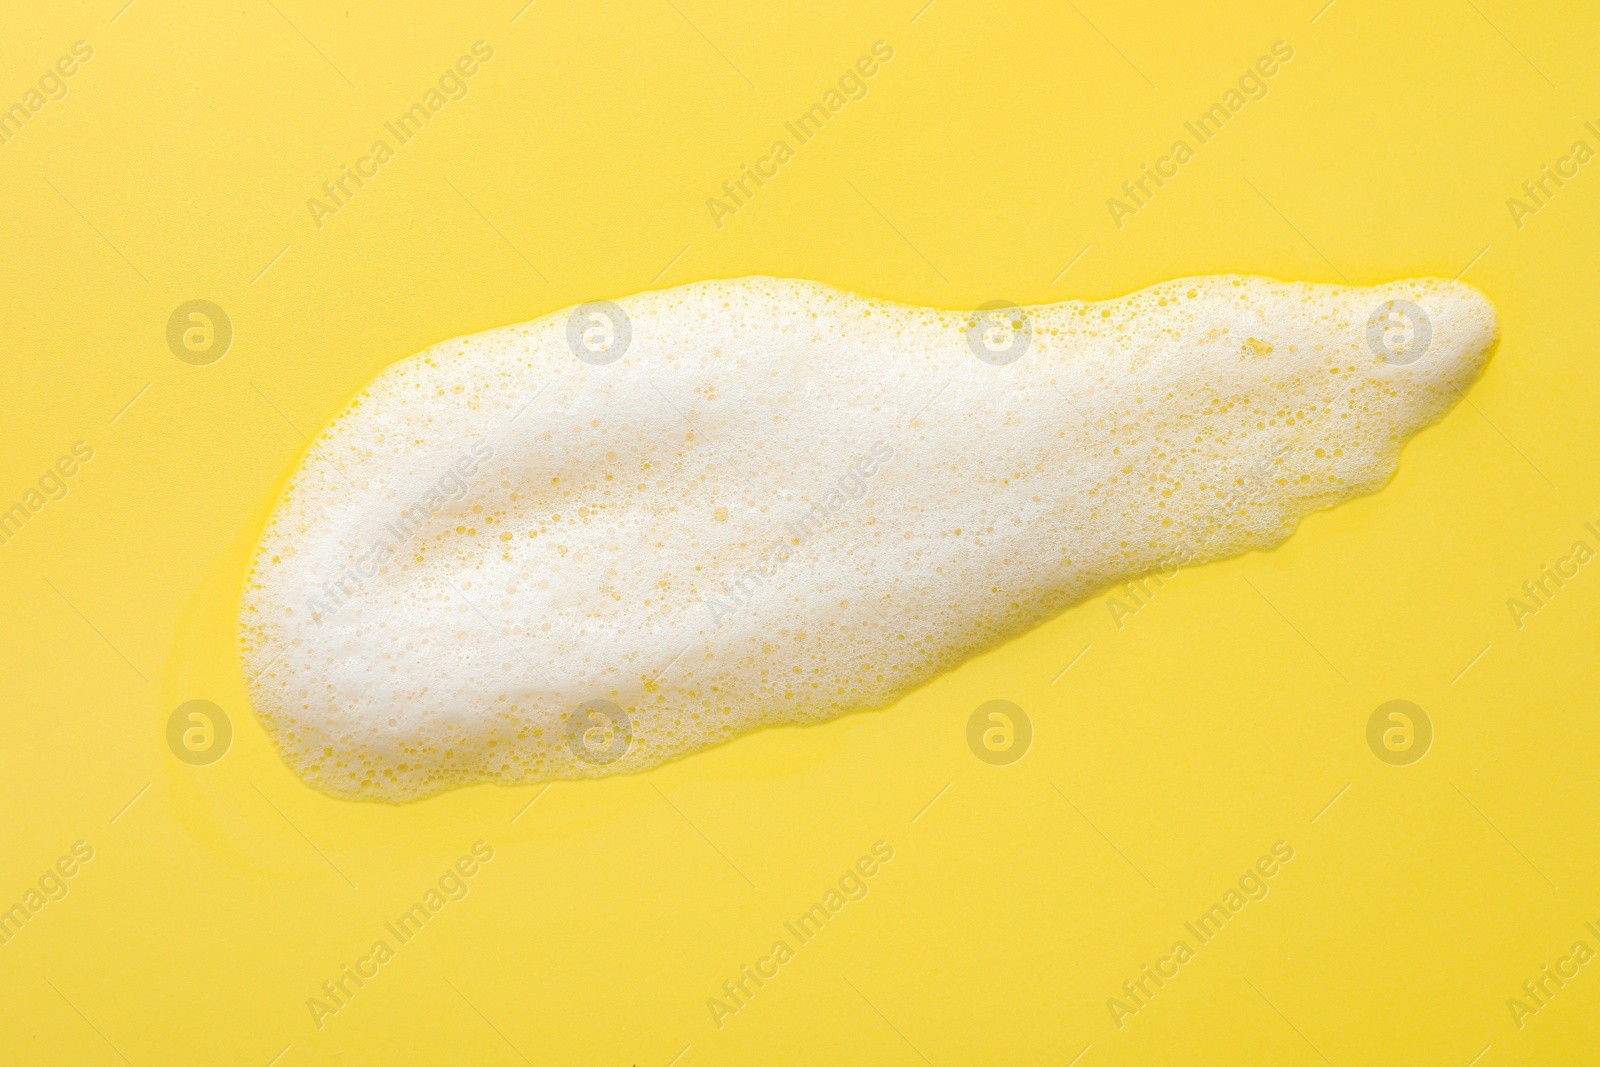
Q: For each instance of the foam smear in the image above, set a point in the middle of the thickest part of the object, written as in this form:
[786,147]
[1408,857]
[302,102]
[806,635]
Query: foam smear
[594,542]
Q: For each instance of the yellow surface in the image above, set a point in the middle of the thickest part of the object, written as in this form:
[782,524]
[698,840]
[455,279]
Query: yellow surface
[1223,717]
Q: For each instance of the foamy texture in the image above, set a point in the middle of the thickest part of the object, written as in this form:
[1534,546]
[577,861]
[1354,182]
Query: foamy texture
[786,502]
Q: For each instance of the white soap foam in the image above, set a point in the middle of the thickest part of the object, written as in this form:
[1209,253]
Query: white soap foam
[785,502]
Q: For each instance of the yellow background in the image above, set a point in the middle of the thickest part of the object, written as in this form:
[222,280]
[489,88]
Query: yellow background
[1177,750]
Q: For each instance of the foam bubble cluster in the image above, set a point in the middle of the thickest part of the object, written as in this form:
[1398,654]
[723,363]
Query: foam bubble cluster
[594,542]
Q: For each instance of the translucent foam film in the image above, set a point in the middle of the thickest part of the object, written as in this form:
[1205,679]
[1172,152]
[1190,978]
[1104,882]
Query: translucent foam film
[594,542]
